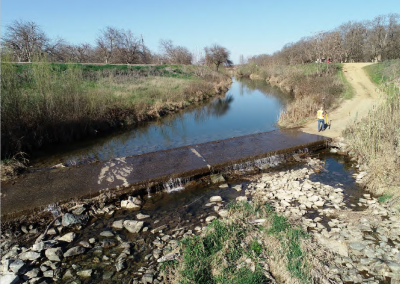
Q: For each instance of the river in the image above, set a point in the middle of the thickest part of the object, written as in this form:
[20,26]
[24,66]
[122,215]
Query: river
[248,107]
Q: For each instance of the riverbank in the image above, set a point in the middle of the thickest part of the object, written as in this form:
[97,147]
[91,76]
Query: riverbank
[307,83]
[285,226]
[45,103]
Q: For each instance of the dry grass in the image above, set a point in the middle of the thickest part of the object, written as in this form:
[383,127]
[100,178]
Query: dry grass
[43,103]
[375,141]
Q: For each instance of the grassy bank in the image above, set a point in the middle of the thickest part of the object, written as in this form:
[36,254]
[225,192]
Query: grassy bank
[308,84]
[375,140]
[238,250]
[45,103]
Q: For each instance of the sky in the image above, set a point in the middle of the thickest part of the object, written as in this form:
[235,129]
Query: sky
[244,27]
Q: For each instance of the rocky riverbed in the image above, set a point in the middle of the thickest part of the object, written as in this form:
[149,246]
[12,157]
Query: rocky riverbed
[360,236]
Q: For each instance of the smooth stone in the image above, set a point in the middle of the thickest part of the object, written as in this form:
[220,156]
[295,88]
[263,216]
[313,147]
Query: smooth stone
[237,187]
[216,199]
[106,234]
[118,224]
[158,229]
[148,278]
[225,185]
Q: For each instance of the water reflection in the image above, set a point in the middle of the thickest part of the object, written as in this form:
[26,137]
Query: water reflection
[248,107]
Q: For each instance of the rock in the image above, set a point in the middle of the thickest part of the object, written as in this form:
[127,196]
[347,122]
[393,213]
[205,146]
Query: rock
[148,278]
[106,234]
[18,266]
[54,254]
[131,203]
[237,187]
[319,203]
[141,216]
[357,245]
[40,246]
[333,245]
[9,278]
[92,240]
[118,224]
[107,243]
[74,251]
[84,244]
[158,229]
[85,273]
[29,255]
[70,219]
[79,210]
[34,272]
[120,265]
[133,226]
[225,185]
[241,199]
[394,266]
[216,199]
[69,237]
[209,219]
[223,213]
[169,257]
[217,178]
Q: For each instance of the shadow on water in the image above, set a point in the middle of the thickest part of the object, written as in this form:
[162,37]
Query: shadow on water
[248,107]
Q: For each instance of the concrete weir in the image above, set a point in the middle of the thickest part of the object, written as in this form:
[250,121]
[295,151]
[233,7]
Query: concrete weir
[35,190]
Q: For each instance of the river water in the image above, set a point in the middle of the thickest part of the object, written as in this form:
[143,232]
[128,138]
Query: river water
[248,107]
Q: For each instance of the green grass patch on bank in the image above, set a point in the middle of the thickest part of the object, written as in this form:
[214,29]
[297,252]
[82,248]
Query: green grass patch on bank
[383,71]
[385,198]
[234,251]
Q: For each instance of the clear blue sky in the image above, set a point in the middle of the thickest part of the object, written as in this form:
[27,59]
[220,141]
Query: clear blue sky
[244,27]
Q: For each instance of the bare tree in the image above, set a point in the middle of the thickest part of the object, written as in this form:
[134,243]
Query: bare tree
[25,39]
[107,43]
[175,54]
[217,55]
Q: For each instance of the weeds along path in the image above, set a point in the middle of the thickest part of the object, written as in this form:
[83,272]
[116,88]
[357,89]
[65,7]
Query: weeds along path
[366,95]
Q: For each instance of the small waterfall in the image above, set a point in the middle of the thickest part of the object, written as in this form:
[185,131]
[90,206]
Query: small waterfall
[261,164]
[176,184]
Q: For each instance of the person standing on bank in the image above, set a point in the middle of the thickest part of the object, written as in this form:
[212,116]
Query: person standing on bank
[321,119]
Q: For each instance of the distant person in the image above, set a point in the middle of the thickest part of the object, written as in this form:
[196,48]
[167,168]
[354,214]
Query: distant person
[321,119]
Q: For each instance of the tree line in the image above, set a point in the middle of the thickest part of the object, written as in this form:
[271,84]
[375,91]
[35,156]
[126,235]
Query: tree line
[375,40]
[25,39]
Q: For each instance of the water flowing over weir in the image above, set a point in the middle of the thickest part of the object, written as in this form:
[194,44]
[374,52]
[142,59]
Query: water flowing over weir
[129,174]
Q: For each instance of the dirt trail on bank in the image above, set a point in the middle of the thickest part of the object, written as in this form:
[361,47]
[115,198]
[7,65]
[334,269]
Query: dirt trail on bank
[366,95]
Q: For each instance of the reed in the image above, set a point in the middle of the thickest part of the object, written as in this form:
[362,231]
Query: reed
[44,103]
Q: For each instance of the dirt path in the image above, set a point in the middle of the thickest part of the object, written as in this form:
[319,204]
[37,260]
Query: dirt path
[365,96]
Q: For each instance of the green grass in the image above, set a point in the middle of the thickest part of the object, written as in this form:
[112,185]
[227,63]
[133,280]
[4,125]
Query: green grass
[385,198]
[218,256]
[348,92]
[383,71]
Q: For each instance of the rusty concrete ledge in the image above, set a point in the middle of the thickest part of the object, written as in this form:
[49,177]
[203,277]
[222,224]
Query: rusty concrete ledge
[36,190]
